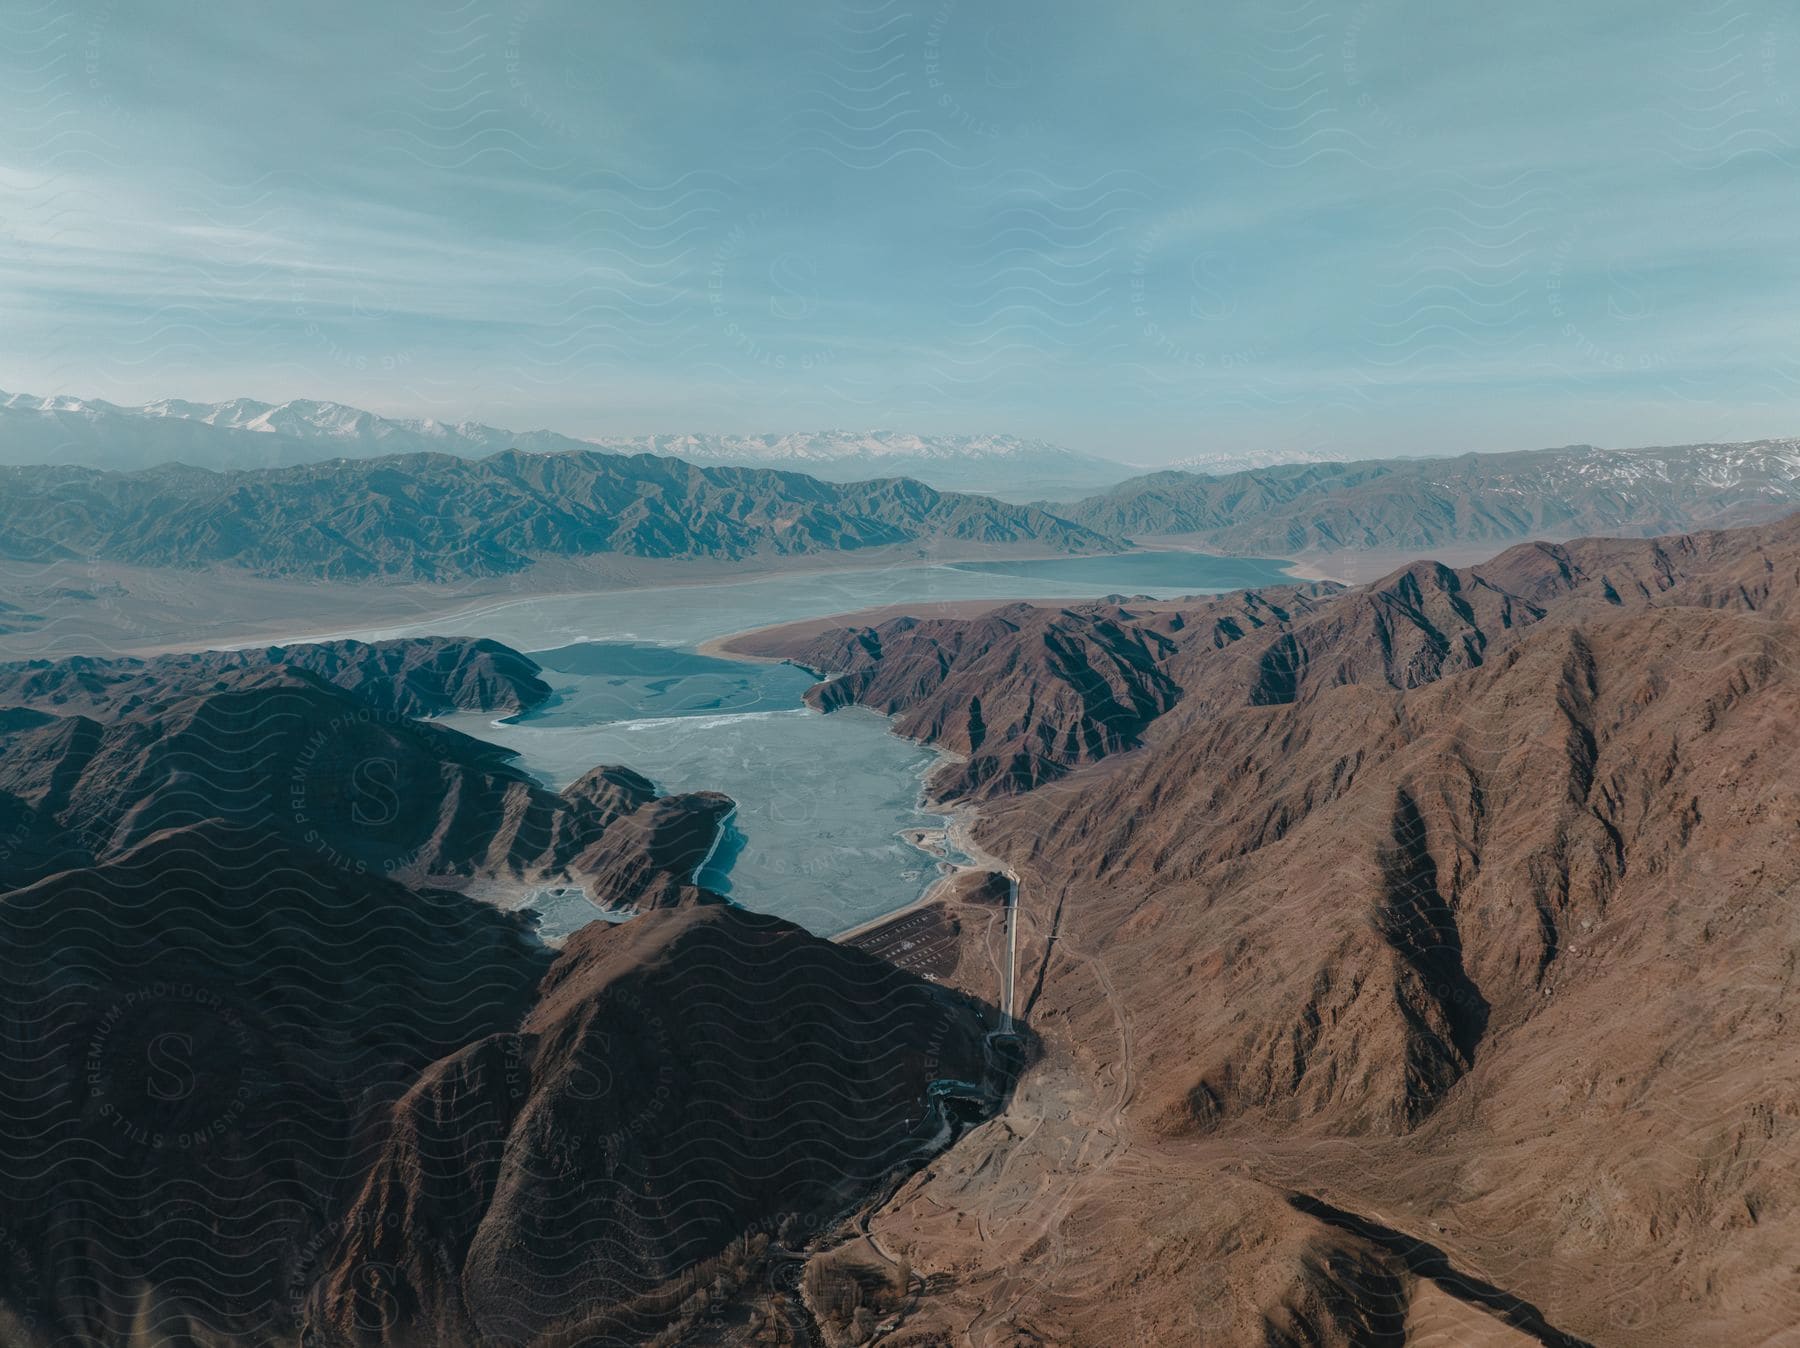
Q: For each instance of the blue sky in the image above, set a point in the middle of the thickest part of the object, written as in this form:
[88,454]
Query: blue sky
[1145,231]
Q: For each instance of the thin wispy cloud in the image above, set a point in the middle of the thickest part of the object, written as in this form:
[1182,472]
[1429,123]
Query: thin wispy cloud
[1344,225]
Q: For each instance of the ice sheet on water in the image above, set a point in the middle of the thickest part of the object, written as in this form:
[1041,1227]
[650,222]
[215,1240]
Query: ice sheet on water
[822,800]
[685,615]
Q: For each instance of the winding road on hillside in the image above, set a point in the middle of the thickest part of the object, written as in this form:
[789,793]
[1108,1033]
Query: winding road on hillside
[1011,976]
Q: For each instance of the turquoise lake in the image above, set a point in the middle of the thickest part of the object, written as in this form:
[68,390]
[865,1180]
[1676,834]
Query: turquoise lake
[822,800]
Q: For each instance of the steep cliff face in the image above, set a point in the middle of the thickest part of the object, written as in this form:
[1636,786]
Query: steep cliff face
[1028,692]
[1418,919]
[1025,693]
[1441,850]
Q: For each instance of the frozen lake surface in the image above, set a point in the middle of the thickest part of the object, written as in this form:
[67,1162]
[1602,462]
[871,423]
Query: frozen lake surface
[685,615]
[823,801]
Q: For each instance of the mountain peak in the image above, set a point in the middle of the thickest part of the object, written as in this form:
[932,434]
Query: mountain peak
[308,430]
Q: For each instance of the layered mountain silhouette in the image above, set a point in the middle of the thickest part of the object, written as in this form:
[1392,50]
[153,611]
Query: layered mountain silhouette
[435,517]
[1405,964]
[1420,504]
[439,517]
[245,433]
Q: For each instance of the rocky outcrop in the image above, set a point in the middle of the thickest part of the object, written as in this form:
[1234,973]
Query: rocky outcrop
[649,857]
[1024,693]
[363,788]
[413,676]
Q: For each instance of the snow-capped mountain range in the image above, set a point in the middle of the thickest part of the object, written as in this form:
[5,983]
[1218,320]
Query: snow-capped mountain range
[245,433]
[834,446]
[997,465]
[1217,465]
[241,433]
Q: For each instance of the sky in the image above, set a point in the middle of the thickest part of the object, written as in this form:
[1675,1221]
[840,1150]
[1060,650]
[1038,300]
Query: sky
[1147,230]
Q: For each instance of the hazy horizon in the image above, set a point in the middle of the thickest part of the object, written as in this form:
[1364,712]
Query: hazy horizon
[606,440]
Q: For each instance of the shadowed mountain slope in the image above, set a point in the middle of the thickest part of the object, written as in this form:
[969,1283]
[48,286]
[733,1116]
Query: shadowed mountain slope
[362,788]
[680,1078]
[282,1082]
[414,676]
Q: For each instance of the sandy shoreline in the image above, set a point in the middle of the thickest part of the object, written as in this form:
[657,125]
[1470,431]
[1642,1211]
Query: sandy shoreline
[1300,566]
[1302,569]
[933,892]
[1348,566]
[106,609]
[799,628]
[936,842]
[742,644]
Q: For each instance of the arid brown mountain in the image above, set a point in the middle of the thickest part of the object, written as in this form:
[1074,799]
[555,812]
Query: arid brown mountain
[1421,504]
[1422,973]
[1026,692]
[415,676]
[366,788]
[281,1080]
[1410,964]
[204,1035]
[435,517]
[268,1101]
[682,1078]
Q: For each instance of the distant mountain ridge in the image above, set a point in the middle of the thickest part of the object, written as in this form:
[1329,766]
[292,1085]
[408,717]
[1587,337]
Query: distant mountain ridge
[834,446]
[244,433]
[1395,504]
[1249,502]
[1242,461]
[436,517]
[241,433]
[1005,464]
